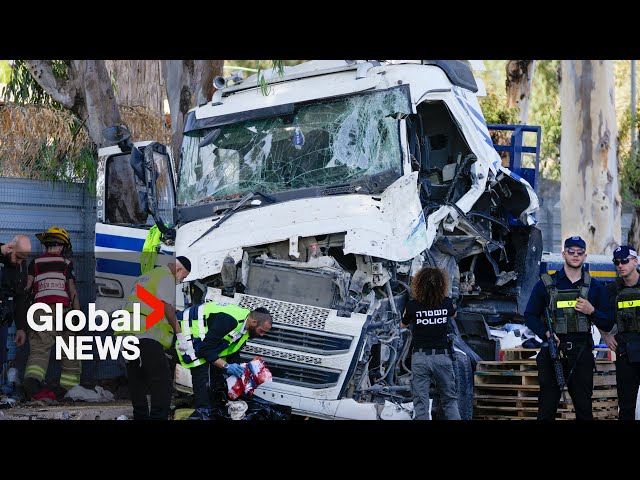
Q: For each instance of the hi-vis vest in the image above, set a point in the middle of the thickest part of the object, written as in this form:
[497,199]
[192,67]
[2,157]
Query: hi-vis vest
[628,310]
[150,250]
[161,331]
[193,322]
[50,283]
[565,318]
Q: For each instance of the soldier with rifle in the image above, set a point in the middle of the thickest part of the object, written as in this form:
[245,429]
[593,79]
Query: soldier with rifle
[574,301]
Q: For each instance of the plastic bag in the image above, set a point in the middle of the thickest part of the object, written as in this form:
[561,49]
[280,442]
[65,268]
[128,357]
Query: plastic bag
[255,373]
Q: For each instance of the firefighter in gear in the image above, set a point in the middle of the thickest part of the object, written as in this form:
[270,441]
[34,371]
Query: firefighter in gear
[212,335]
[53,281]
[150,373]
[575,300]
[624,339]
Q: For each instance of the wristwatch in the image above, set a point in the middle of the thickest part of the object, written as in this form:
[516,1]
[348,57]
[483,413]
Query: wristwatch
[225,366]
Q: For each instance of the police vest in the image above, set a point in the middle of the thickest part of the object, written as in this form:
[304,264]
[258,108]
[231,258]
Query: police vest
[565,318]
[628,310]
[161,331]
[50,282]
[193,322]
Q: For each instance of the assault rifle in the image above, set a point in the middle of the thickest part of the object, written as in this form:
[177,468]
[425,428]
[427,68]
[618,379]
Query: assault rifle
[554,353]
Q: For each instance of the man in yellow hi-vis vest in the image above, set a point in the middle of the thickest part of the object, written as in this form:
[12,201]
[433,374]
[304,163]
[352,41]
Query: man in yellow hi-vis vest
[209,345]
[150,373]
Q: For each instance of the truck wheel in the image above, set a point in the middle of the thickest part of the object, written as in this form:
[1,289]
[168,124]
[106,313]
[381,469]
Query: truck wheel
[464,384]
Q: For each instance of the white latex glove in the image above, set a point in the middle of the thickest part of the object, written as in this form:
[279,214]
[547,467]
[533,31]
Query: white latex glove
[182,344]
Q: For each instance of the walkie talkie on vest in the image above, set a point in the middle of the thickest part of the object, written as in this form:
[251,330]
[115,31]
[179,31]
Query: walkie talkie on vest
[554,353]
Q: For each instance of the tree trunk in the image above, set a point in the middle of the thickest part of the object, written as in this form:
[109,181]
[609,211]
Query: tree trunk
[518,83]
[87,93]
[189,83]
[589,194]
[139,83]
[633,237]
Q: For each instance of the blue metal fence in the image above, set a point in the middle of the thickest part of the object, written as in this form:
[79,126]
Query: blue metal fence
[32,206]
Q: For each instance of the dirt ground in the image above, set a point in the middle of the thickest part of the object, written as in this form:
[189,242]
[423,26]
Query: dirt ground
[77,411]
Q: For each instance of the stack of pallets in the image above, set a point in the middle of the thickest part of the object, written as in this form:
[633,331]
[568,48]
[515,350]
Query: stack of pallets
[508,389]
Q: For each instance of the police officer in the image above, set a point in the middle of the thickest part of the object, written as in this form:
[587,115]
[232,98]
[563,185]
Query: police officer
[13,298]
[429,310]
[624,339]
[212,335]
[574,301]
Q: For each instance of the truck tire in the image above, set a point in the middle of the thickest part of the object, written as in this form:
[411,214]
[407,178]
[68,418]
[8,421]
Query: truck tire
[464,383]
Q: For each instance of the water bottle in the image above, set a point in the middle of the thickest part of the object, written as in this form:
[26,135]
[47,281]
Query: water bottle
[12,376]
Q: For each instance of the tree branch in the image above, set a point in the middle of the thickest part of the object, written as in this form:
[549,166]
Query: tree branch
[62,91]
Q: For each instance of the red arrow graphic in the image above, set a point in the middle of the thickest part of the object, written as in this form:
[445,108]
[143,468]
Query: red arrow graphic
[157,305]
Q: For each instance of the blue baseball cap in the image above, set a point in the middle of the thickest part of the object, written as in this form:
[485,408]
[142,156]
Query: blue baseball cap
[575,242]
[624,251]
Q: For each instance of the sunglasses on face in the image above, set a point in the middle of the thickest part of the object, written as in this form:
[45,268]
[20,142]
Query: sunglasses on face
[571,251]
[621,261]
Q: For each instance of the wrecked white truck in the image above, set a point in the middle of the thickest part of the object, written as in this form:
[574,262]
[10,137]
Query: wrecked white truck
[319,201]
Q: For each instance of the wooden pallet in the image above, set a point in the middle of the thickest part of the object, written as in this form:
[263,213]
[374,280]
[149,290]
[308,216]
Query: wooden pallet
[509,389]
[530,353]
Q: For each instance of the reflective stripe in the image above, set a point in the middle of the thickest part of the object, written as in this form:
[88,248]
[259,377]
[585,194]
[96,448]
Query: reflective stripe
[69,380]
[629,304]
[566,304]
[34,371]
[194,325]
[45,276]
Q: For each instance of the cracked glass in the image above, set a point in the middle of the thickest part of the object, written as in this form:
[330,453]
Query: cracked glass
[329,142]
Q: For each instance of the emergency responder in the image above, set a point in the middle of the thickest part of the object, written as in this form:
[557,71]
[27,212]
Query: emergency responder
[574,301]
[13,298]
[51,275]
[429,310]
[150,373]
[212,335]
[624,295]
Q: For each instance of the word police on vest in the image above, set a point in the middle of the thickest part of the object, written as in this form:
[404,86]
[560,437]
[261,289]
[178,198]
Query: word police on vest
[81,346]
[433,317]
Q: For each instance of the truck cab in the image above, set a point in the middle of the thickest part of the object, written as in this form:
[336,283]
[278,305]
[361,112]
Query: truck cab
[321,199]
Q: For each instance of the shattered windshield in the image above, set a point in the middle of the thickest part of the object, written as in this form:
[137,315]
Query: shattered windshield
[323,143]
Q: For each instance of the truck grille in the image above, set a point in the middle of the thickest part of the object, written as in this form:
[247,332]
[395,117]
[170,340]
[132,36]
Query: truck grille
[292,356]
[299,375]
[289,313]
[305,340]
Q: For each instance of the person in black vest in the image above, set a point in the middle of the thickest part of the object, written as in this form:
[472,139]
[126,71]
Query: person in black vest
[624,339]
[429,311]
[13,298]
[574,301]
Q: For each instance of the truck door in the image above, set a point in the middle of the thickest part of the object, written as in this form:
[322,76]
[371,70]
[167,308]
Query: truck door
[127,207]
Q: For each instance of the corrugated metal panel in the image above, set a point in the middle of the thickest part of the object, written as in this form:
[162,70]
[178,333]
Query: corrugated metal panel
[32,206]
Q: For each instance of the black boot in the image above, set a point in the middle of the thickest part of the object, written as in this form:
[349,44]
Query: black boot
[31,387]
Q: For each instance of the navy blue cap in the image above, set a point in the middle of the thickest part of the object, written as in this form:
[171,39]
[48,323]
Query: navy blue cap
[623,251]
[575,242]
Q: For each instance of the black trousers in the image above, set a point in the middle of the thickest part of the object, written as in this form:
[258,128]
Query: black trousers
[210,384]
[150,374]
[628,381]
[578,368]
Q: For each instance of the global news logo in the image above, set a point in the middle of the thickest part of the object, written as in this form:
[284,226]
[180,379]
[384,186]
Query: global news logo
[42,318]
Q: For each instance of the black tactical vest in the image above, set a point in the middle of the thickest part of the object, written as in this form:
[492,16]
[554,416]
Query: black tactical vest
[565,318]
[628,310]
